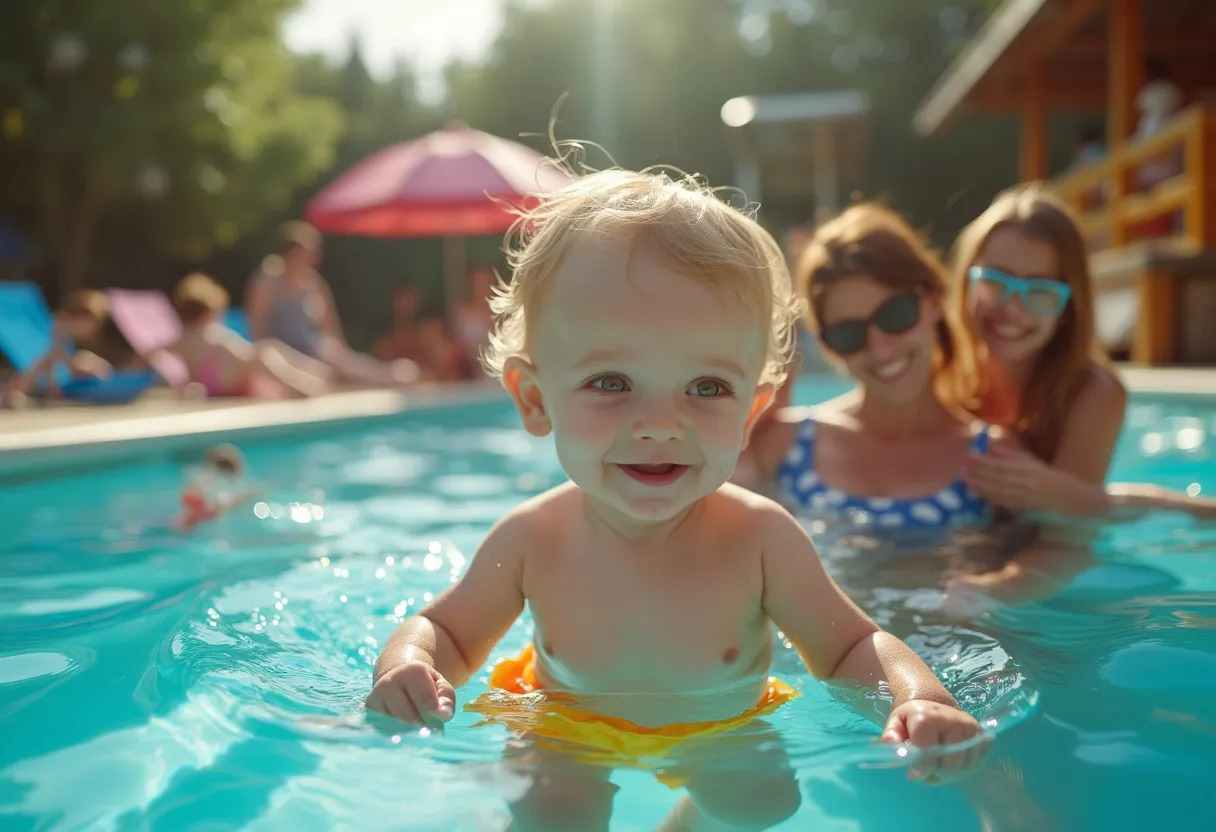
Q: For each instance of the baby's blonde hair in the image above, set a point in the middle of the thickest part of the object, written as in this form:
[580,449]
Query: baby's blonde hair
[681,218]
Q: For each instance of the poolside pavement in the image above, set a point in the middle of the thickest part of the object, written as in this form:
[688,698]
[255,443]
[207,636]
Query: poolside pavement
[42,438]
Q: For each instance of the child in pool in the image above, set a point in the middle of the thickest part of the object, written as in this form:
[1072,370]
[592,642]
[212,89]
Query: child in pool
[215,489]
[645,328]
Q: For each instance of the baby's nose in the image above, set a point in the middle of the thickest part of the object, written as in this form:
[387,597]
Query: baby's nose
[659,424]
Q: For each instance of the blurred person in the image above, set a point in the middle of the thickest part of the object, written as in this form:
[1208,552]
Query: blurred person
[78,321]
[214,488]
[402,340]
[440,357]
[1159,101]
[473,319]
[424,340]
[288,300]
[224,363]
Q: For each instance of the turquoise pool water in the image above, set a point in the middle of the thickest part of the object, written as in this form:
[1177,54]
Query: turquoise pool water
[150,680]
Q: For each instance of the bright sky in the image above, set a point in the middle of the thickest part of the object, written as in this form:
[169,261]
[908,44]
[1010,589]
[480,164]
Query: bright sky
[426,33]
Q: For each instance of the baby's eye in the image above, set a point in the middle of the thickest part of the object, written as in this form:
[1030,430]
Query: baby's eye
[609,383]
[710,388]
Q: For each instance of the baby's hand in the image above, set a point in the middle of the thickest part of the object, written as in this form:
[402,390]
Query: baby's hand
[414,692]
[928,724]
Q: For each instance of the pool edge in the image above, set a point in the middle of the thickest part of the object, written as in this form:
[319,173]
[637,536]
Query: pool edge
[55,450]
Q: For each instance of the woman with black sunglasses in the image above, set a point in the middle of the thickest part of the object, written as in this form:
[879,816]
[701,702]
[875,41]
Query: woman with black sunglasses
[889,454]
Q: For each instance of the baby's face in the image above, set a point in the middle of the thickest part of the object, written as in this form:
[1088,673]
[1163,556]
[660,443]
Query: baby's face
[226,472]
[648,379]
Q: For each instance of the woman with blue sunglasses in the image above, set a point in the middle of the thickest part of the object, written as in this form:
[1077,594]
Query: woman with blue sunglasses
[1022,284]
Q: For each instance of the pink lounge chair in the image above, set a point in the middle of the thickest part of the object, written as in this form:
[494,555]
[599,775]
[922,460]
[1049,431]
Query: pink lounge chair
[148,321]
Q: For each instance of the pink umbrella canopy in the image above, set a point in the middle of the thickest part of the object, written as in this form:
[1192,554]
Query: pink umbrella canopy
[454,182]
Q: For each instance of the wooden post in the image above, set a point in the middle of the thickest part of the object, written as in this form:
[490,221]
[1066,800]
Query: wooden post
[1033,140]
[1200,166]
[1154,340]
[1126,74]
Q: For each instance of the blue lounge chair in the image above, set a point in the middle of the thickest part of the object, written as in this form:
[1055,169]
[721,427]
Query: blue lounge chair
[25,336]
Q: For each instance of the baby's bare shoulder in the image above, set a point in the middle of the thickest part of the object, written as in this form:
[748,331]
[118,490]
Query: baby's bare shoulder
[540,518]
[744,510]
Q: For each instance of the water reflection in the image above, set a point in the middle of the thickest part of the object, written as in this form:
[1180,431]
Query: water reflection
[233,661]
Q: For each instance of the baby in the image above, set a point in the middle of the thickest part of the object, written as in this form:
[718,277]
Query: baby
[215,489]
[646,328]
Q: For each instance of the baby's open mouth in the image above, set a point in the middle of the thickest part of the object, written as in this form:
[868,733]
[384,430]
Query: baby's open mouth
[655,473]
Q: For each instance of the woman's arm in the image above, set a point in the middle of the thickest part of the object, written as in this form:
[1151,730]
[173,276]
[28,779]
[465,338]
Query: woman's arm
[1092,429]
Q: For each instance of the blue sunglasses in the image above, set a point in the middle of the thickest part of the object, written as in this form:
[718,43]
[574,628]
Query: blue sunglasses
[1040,297]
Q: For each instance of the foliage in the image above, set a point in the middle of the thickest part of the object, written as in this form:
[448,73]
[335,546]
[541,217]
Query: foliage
[164,129]
[183,134]
[661,72]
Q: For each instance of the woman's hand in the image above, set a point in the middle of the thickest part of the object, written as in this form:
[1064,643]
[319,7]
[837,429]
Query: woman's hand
[1009,477]
[967,597]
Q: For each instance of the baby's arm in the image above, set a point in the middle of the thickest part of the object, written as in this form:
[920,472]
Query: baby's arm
[438,649]
[839,641]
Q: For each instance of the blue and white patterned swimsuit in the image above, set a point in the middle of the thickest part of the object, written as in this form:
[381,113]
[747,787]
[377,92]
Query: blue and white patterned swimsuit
[802,490]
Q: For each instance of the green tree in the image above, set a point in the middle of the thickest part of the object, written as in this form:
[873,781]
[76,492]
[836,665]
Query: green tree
[364,272]
[648,80]
[164,129]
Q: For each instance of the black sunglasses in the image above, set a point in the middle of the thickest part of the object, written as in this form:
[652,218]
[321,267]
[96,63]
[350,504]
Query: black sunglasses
[895,315]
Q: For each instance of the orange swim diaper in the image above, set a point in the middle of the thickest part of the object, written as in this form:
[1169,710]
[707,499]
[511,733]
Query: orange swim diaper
[516,700]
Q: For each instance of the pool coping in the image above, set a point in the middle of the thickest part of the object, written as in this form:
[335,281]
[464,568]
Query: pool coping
[1181,382]
[36,452]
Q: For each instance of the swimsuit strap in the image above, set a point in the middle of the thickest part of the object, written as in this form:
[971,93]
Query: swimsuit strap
[982,439]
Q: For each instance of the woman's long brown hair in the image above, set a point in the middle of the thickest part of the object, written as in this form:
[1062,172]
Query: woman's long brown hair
[1066,362]
[871,240]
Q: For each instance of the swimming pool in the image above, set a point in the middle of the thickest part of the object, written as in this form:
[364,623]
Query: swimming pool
[150,680]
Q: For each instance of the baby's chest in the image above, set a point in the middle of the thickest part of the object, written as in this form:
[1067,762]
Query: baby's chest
[652,623]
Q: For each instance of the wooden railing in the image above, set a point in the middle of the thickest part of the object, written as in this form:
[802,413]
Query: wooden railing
[1116,210]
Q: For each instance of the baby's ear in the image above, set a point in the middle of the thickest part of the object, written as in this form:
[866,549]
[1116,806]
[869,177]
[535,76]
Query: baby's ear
[761,402]
[519,377]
